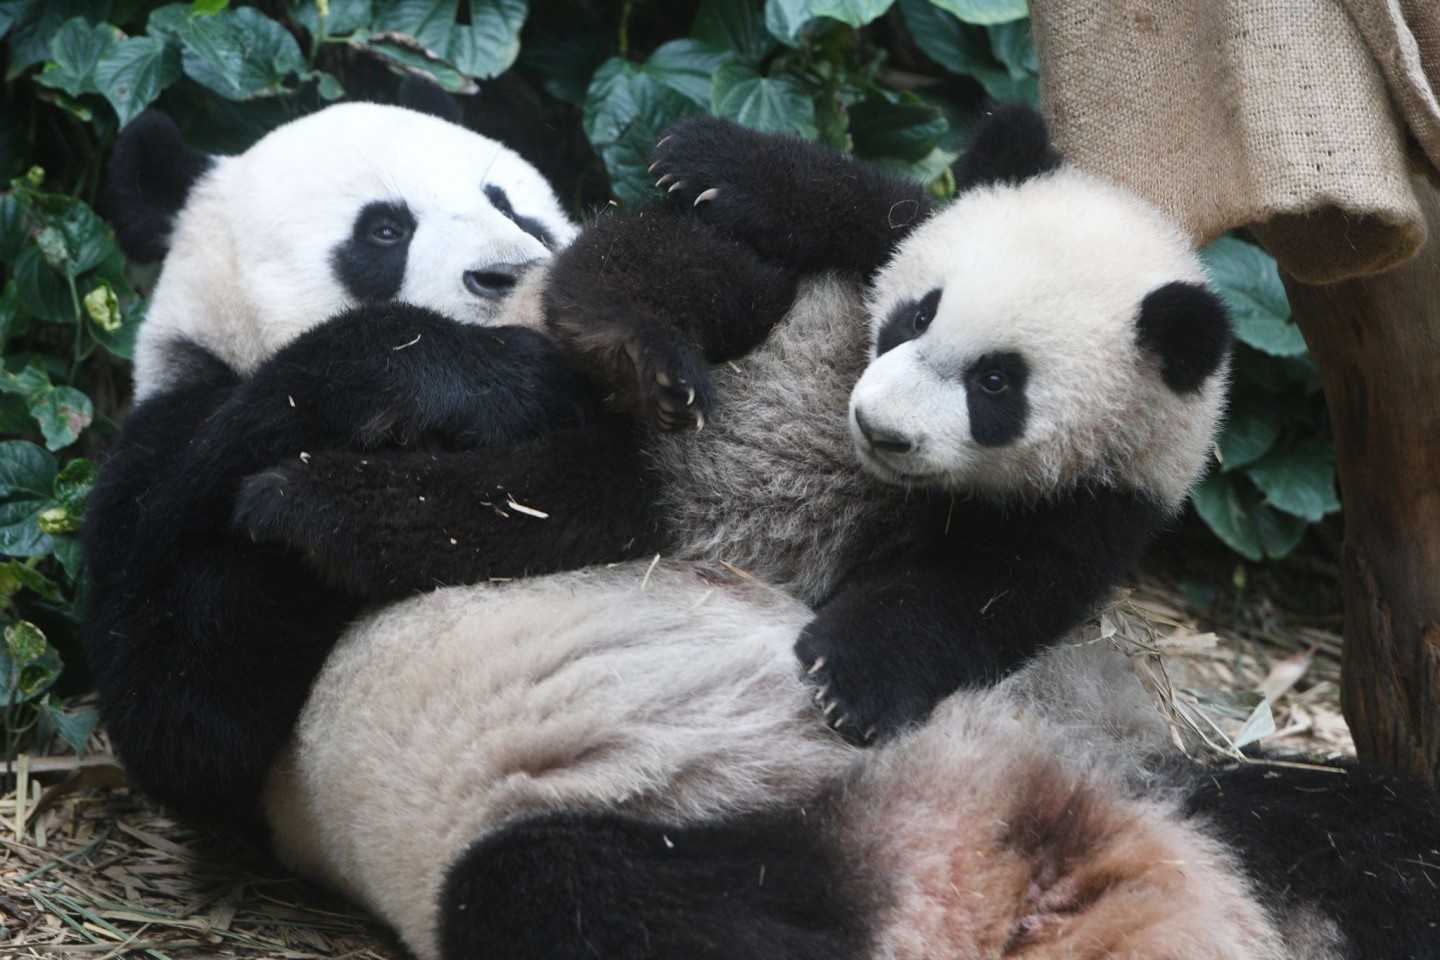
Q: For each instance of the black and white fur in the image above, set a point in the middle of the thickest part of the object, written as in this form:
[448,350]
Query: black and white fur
[622,763]
[986,523]
[625,760]
[277,329]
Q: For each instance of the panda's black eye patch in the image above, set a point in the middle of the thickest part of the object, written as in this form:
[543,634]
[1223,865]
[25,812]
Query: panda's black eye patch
[501,201]
[371,263]
[907,321]
[995,395]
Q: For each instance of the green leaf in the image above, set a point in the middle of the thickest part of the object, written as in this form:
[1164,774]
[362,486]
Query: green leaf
[1298,478]
[734,25]
[62,412]
[73,726]
[27,482]
[88,239]
[346,16]
[967,50]
[28,664]
[689,67]
[772,104]
[74,483]
[133,73]
[1232,508]
[1250,431]
[1250,283]
[74,53]
[207,8]
[16,576]
[414,61]
[905,131]
[329,87]
[626,108]
[41,291]
[1014,46]
[787,19]
[489,45]
[36,24]
[239,54]
[984,11]
[67,550]
[428,21]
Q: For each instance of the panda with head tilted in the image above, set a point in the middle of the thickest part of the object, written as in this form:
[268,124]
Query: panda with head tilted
[276,326]
[1048,368]
[622,762]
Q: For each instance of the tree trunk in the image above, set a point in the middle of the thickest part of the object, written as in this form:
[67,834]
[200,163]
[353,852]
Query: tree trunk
[1377,344]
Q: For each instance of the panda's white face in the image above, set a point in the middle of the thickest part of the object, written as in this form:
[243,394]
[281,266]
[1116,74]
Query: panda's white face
[356,203]
[1005,352]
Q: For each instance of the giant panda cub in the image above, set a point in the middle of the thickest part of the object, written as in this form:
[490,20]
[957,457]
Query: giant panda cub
[1043,371]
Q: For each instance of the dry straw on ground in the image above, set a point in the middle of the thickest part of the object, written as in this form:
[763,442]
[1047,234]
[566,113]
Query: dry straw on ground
[89,870]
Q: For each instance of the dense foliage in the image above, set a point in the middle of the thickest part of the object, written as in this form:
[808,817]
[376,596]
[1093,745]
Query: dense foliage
[583,88]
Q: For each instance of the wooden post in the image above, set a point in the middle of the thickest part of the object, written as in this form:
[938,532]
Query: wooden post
[1377,344]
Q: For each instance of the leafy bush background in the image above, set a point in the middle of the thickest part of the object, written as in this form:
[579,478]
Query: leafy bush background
[583,89]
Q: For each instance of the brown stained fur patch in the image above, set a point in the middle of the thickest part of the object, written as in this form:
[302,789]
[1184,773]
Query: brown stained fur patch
[1015,852]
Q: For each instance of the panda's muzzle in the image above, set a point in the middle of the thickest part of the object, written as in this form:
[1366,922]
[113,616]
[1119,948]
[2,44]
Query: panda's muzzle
[882,440]
[497,280]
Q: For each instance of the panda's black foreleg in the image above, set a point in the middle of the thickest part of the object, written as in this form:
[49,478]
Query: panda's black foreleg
[387,524]
[794,201]
[980,591]
[201,643]
[644,301]
[204,643]
[575,885]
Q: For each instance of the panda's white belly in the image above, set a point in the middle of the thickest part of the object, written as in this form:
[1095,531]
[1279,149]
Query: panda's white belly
[675,694]
[773,484]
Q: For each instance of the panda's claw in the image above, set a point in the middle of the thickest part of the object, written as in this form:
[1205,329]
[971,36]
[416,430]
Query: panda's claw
[706,196]
[677,185]
[815,667]
[689,396]
[665,181]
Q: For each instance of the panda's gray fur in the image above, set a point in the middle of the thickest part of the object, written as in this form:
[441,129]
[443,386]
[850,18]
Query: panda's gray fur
[771,485]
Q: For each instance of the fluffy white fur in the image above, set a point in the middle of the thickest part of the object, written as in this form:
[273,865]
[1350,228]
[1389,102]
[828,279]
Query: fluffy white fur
[250,261]
[1017,815]
[1054,268]
[671,691]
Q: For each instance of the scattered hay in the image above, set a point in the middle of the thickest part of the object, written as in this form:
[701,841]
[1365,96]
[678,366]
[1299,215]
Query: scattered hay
[89,870]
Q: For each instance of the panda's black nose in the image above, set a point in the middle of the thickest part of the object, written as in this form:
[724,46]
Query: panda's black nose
[880,439]
[497,280]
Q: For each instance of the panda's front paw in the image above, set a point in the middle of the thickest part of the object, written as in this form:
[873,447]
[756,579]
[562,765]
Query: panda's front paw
[284,505]
[864,690]
[672,389]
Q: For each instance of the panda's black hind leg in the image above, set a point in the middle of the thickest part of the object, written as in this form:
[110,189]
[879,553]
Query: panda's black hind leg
[577,886]
[645,301]
[793,201]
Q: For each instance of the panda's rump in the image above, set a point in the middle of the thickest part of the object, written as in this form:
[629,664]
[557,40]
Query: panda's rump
[665,692]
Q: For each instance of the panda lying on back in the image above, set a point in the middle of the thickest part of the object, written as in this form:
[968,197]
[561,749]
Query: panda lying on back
[1047,368]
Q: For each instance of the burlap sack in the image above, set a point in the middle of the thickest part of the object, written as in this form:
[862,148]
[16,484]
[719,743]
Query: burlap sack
[1291,116]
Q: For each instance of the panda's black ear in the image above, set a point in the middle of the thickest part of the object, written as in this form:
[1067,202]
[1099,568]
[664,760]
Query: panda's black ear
[1188,326]
[1010,144]
[425,96]
[147,181]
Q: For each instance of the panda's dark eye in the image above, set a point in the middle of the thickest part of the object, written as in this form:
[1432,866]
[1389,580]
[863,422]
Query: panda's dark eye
[994,381]
[921,321]
[387,233]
